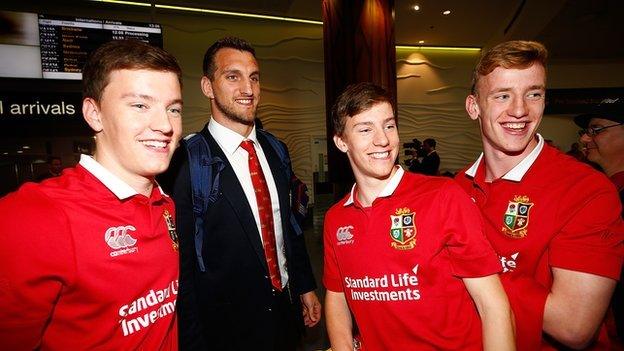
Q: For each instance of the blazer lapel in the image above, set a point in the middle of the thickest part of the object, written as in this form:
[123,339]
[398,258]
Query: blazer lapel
[232,191]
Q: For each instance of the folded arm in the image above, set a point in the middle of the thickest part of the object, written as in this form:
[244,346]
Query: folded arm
[575,306]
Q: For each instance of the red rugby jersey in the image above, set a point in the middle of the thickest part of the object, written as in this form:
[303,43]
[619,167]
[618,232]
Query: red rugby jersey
[400,263]
[86,265]
[549,211]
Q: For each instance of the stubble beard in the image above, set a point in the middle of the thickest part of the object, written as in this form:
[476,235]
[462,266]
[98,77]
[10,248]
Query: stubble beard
[233,115]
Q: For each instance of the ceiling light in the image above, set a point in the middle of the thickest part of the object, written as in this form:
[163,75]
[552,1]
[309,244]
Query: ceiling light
[443,48]
[214,12]
[416,8]
[447,12]
[5,153]
[20,151]
[133,3]
[26,147]
[421,42]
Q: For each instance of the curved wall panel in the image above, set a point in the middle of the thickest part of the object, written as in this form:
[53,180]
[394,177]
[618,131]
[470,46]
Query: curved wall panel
[431,87]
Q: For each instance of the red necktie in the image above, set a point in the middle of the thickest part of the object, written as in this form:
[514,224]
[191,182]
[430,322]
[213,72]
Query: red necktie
[263,199]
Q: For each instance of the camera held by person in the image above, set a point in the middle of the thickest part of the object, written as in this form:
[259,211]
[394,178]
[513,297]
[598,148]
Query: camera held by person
[425,159]
[414,150]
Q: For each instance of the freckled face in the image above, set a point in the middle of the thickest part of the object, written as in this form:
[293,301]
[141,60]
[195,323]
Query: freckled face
[509,105]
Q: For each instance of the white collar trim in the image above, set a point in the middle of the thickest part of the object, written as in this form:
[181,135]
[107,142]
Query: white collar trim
[516,173]
[117,186]
[387,190]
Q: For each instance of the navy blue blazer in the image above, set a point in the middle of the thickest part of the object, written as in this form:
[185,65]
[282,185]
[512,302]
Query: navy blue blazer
[228,307]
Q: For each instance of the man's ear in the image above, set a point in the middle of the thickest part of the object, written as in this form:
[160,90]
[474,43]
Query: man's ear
[91,114]
[206,87]
[340,144]
[472,107]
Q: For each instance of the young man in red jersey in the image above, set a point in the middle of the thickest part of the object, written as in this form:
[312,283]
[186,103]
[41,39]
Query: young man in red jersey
[90,259]
[405,253]
[553,221]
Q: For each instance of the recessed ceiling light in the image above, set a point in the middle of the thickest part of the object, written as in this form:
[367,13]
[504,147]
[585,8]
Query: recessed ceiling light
[421,42]
[26,147]
[20,151]
[5,153]
[416,8]
[447,12]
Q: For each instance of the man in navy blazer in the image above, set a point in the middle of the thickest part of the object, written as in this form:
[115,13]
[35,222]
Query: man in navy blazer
[234,305]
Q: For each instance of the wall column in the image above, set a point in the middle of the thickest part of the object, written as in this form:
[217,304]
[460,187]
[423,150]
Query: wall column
[358,39]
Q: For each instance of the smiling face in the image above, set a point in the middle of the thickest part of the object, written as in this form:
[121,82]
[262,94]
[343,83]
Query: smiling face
[234,89]
[509,104]
[138,122]
[371,141]
[607,147]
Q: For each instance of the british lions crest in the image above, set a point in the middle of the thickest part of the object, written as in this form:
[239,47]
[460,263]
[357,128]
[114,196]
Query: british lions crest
[403,229]
[516,217]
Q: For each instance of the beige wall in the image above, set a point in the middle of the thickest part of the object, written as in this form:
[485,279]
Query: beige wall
[290,55]
[432,85]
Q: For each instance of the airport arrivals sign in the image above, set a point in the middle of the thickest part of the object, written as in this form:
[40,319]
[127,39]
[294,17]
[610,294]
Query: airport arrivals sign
[40,105]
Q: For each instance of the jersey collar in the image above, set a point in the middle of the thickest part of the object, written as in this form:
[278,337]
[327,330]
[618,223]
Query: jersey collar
[228,139]
[387,190]
[516,173]
[117,186]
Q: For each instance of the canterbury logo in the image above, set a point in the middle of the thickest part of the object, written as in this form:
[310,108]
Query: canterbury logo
[344,233]
[119,237]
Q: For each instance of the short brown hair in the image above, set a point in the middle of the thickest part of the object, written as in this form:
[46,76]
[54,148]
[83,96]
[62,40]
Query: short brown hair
[123,54]
[509,54]
[209,67]
[356,99]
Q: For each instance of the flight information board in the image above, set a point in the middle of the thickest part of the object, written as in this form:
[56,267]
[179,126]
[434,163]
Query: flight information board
[66,42]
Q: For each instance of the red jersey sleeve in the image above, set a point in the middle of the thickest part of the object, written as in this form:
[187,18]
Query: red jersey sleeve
[331,274]
[470,252]
[37,263]
[592,237]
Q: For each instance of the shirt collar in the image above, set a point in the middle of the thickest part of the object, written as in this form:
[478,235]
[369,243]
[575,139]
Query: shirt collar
[472,171]
[228,139]
[387,190]
[516,173]
[117,186]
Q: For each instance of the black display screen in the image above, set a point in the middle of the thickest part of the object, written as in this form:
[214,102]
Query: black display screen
[66,42]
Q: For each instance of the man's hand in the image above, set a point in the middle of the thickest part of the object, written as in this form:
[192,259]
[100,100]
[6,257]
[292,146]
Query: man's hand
[311,309]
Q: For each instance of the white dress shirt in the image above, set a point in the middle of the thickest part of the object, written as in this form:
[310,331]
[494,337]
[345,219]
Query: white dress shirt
[230,141]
